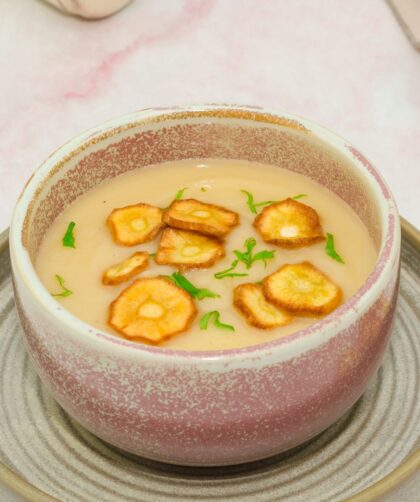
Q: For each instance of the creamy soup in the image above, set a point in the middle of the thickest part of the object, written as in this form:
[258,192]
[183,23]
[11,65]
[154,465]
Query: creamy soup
[218,182]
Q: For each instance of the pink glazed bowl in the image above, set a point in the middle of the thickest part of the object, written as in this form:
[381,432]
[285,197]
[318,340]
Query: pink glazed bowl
[221,407]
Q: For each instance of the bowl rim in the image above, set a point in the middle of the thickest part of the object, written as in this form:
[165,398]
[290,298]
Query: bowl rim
[290,346]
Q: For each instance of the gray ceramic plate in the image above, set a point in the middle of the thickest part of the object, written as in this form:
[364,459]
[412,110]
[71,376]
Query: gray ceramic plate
[45,455]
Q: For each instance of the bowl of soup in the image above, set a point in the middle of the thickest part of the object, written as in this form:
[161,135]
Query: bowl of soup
[207,285]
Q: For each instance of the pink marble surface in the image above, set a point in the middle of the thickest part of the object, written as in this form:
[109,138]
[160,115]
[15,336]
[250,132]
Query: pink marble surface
[346,65]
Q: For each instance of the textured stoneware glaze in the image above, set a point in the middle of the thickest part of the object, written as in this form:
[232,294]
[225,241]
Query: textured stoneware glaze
[206,408]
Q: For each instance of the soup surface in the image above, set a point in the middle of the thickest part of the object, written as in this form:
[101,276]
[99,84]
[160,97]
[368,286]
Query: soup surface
[212,181]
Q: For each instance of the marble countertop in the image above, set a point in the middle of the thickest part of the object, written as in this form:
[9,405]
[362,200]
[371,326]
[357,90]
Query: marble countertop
[346,65]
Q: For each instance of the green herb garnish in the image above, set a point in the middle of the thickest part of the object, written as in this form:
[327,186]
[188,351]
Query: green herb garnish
[330,250]
[299,196]
[253,205]
[68,239]
[180,193]
[65,292]
[152,255]
[228,272]
[215,316]
[178,196]
[199,293]
[247,258]
[203,189]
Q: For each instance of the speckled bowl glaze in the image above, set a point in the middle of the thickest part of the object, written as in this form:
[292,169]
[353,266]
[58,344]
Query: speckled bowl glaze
[221,407]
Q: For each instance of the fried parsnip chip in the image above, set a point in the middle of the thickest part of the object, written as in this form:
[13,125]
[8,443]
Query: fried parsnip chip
[126,269]
[207,219]
[250,301]
[289,224]
[153,309]
[302,289]
[135,224]
[188,249]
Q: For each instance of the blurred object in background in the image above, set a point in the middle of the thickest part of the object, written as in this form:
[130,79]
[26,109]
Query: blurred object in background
[90,9]
[408,15]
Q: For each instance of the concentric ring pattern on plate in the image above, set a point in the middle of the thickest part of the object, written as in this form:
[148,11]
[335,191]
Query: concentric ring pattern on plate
[41,443]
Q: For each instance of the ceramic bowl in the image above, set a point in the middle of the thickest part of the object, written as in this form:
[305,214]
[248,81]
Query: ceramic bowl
[221,407]
[90,9]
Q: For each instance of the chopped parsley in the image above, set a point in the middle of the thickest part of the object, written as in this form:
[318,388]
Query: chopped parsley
[330,250]
[199,293]
[228,272]
[68,239]
[248,258]
[65,291]
[180,193]
[214,316]
[254,205]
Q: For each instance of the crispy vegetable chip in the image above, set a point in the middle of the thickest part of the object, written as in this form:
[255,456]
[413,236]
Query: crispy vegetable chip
[289,224]
[207,219]
[302,289]
[135,224]
[152,309]
[126,269]
[250,301]
[186,249]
